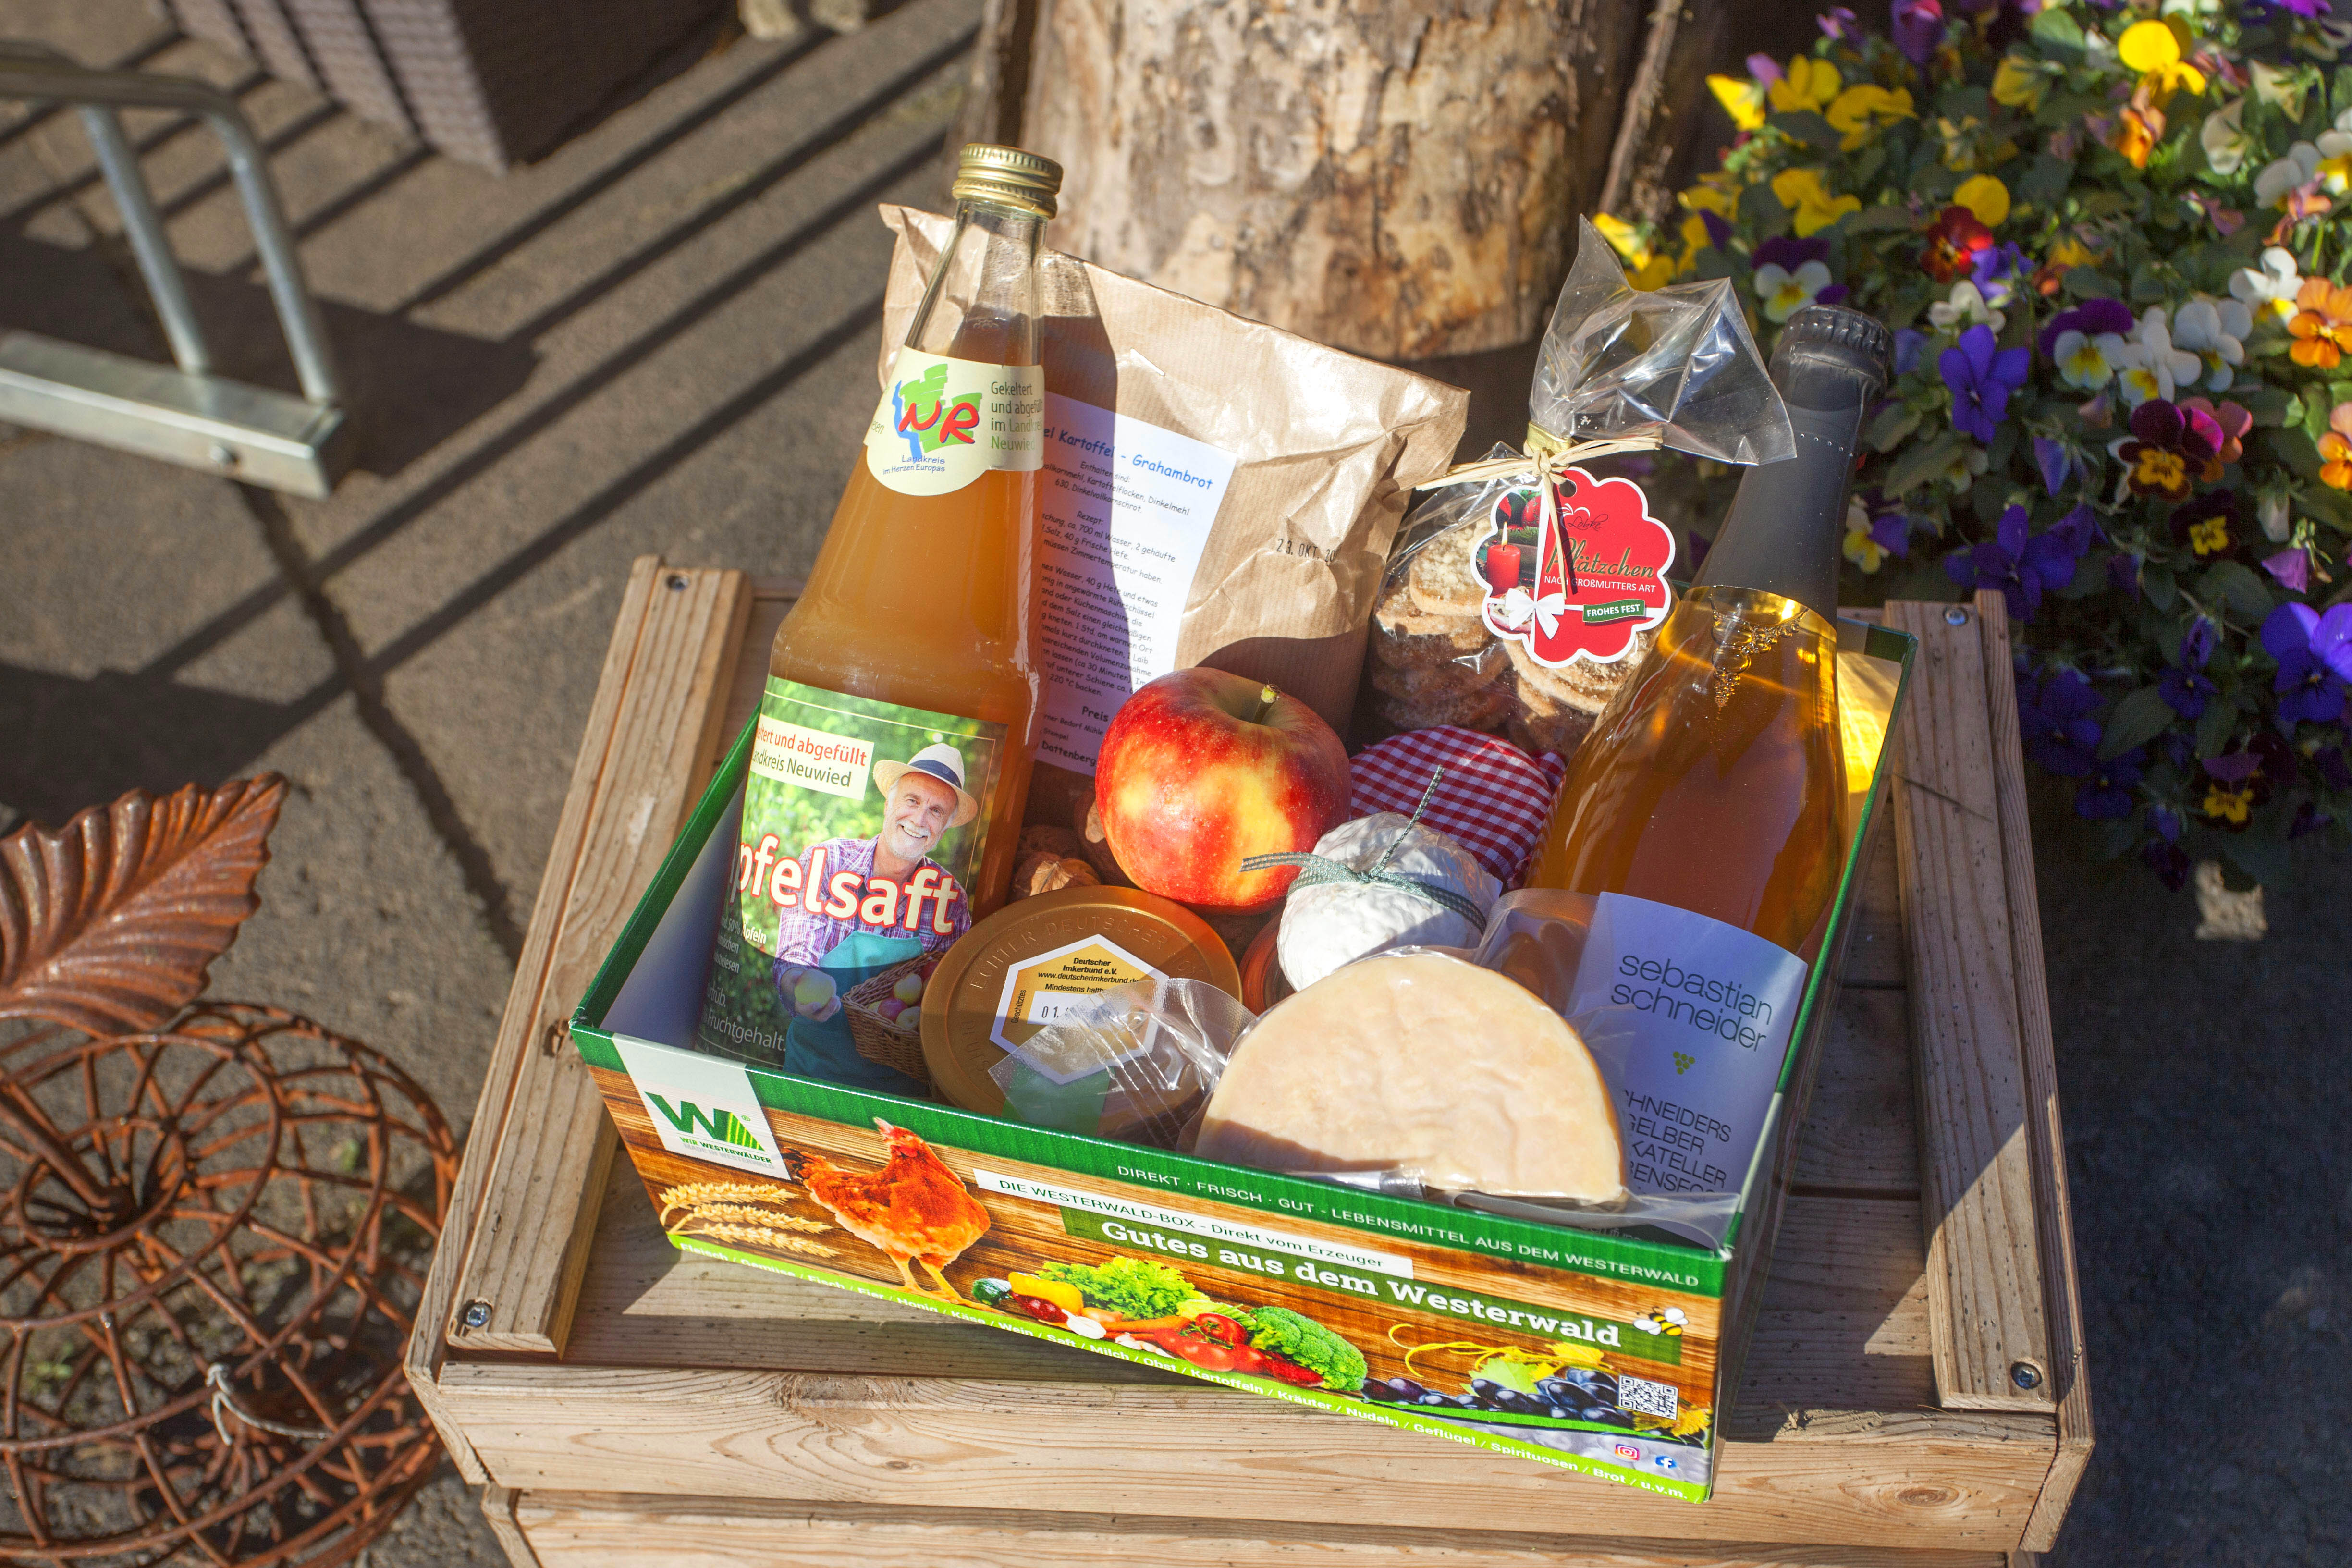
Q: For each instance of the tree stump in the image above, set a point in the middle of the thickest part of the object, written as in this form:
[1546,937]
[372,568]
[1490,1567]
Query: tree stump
[1401,180]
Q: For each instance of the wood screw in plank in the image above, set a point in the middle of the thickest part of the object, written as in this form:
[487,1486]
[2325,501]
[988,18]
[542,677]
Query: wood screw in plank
[1956,617]
[2025,1375]
[675,583]
[477,1313]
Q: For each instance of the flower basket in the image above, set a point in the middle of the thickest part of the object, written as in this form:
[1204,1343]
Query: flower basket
[2113,248]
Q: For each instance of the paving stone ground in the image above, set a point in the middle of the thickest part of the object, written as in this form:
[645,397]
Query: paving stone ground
[661,339]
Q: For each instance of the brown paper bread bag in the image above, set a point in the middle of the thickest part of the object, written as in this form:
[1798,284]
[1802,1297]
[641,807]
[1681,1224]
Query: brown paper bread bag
[1325,449]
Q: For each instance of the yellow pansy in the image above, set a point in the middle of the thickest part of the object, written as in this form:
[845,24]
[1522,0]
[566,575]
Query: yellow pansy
[2016,84]
[1654,273]
[2071,252]
[1802,192]
[1623,238]
[1985,197]
[1695,239]
[2153,49]
[1809,84]
[1712,195]
[1859,111]
[1741,99]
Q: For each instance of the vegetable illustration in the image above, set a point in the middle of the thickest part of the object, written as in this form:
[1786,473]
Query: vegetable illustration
[1308,1343]
[1060,1293]
[1129,1287]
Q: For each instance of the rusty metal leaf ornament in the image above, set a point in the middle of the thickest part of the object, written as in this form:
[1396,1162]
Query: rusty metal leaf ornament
[110,924]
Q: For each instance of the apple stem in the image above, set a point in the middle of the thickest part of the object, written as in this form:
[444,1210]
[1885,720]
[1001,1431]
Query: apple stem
[1266,698]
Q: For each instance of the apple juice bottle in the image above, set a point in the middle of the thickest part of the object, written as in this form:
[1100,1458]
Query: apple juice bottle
[883,804]
[1701,812]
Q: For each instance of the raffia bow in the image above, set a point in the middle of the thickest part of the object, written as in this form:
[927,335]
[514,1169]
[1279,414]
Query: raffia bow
[1317,869]
[1547,458]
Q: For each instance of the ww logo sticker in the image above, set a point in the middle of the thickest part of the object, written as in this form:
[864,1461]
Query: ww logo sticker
[701,1108]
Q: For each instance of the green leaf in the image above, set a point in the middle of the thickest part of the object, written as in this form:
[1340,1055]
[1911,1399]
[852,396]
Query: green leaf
[2262,858]
[1804,125]
[2044,183]
[2115,837]
[2139,718]
[1762,212]
[2268,404]
[1872,220]
[2215,726]
[2296,449]
[2235,585]
[1866,164]
[2004,445]
[1894,425]
[2059,36]
[2082,282]
[2333,508]
[1921,462]
[2156,582]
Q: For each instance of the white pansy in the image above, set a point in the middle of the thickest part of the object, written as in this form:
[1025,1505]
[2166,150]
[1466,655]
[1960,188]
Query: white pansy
[2215,331]
[2273,288]
[2083,360]
[2275,514]
[1967,307]
[1966,466]
[1784,293]
[2292,173]
[2223,136]
[2148,365]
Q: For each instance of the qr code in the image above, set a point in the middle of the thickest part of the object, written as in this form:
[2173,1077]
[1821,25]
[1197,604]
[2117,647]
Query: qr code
[1643,1398]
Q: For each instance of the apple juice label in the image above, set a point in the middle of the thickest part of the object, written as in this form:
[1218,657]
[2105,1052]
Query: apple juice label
[1576,579]
[1125,509]
[863,824]
[1696,1016]
[942,423]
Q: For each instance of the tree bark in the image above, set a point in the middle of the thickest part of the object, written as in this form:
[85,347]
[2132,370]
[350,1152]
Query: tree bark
[1398,179]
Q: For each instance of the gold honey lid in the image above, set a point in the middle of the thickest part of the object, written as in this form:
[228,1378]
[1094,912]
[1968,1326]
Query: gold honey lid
[1008,177]
[1078,940]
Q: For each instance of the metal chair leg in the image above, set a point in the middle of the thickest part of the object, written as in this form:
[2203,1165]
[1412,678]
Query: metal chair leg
[187,416]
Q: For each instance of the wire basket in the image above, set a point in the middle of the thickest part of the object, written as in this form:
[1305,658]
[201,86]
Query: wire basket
[897,1046]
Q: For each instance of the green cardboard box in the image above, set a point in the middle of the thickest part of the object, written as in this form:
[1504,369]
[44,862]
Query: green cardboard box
[1606,1352]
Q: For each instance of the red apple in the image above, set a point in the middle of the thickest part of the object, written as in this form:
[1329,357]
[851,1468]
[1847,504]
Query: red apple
[1202,769]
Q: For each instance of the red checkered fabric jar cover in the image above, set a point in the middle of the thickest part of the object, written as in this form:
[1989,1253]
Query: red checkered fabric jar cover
[1492,801]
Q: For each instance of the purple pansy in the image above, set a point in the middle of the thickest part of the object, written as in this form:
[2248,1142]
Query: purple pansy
[2051,458]
[1918,27]
[2168,861]
[2023,568]
[1908,341]
[2185,691]
[2334,767]
[2315,660]
[1837,22]
[2167,823]
[1783,252]
[1719,229]
[2232,767]
[2256,12]
[1981,376]
[2123,573]
[2090,318]
[1835,294]
[2291,568]
[2197,643]
[2053,720]
[1996,271]
[2308,818]
[1765,68]
[2108,793]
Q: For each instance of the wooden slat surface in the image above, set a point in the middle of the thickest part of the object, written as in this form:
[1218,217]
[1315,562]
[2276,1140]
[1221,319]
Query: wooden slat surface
[426,1342]
[576,1530]
[1942,1479]
[1986,1309]
[539,1209]
[2044,1133]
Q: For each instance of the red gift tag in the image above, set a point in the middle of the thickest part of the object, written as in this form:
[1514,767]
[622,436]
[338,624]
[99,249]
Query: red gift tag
[1601,563]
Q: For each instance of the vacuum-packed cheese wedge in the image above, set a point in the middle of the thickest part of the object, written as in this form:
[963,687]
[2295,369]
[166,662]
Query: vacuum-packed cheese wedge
[1422,1064]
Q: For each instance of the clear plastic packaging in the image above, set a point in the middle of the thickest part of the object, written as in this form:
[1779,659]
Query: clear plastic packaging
[1138,1063]
[1623,367]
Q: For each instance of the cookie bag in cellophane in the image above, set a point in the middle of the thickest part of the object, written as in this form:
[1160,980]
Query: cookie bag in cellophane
[1526,587]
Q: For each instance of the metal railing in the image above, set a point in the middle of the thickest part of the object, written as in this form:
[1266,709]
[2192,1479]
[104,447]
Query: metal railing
[192,416]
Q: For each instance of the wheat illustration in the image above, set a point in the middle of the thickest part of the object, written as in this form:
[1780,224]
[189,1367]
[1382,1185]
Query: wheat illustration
[694,1195]
[756,1235]
[753,1214]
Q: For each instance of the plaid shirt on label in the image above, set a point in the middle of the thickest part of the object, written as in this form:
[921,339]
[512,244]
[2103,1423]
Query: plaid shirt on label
[804,939]
[1494,799]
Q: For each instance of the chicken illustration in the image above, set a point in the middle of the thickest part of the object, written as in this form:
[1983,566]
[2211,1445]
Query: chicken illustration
[913,1207]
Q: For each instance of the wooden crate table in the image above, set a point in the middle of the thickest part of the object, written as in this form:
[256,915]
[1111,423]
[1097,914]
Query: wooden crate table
[1914,1393]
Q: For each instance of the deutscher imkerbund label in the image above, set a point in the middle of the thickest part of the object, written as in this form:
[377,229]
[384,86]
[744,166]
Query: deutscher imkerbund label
[943,422]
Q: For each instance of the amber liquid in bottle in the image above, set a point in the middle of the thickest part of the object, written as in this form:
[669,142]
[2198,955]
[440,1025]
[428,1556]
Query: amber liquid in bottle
[1713,780]
[926,601]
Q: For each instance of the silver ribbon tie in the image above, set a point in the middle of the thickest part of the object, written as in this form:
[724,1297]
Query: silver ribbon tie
[1318,869]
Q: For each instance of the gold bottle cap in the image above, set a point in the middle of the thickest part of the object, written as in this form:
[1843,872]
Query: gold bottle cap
[1008,177]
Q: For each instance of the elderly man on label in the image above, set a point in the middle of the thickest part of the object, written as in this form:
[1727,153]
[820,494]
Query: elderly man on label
[866,904]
